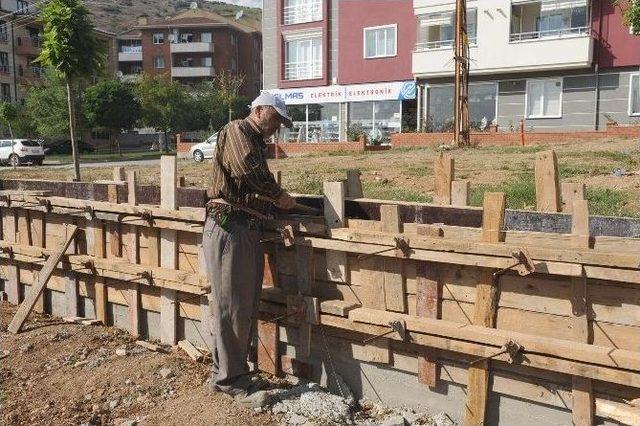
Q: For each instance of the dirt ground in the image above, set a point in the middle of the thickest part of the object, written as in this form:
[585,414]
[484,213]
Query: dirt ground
[68,374]
[407,174]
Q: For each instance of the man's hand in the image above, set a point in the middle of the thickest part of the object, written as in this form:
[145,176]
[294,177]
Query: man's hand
[286,202]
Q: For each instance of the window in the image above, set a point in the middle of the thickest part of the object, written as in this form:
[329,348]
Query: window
[158,38]
[435,30]
[378,119]
[313,123]
[303,57]
[186,38]
[4,63]
[3,32]
[299,11]
[158,62]
[207,61]
[549,18]
[482,106]
[544,98]
[205,37]
[634,95]
[131,46]
[380,41]
[22,6]
[186,62]
[234,65]
[5,92]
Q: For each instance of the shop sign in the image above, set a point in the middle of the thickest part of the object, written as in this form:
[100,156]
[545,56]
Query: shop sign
[397,90]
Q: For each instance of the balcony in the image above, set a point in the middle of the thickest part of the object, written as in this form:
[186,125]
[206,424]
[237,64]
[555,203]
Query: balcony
[130,54]
[130,78]
[300,11]
[303,70]
[192,72]
[28,45]
[192,47]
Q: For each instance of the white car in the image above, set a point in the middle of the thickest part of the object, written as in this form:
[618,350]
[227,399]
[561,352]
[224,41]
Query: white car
[23,151]
[199,152]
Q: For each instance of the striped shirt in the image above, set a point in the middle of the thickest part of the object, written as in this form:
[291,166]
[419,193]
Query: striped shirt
[240,168]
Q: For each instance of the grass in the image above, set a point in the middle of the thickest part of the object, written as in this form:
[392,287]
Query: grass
[609,202]
[100,158]
[387,191]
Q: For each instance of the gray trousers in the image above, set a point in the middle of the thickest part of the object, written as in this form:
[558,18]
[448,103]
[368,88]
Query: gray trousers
[235,268]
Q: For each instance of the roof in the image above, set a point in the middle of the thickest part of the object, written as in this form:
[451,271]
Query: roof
[201,17]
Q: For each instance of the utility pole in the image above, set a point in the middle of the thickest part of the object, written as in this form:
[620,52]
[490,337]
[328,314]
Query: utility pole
[461,60]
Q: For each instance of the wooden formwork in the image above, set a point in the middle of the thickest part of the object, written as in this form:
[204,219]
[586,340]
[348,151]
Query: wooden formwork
[362,266]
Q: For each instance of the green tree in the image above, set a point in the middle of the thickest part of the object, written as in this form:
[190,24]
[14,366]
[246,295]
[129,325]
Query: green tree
[227,85]
[630,13]
[165,104]
[218,109]
[71,49]
[8,114]
[112,105]
[46,105]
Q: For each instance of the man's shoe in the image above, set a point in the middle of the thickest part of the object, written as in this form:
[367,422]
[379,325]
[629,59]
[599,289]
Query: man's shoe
[253,400]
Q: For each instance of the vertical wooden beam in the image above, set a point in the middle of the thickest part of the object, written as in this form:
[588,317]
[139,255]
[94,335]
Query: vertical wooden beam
[354,184]
[583,408]
[334,194]
[460,193]
[485,308]
[268,359]
[38,233]
[115,228]
[131,234]
[443,172]
[547,182]
[570,193]
[394,283]
[10,234]
[305,272]
[168,249]
[428,305]
[71,294]
[96,228]
[119,174]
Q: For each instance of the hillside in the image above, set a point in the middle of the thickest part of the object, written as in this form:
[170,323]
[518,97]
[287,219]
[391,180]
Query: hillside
[120,15]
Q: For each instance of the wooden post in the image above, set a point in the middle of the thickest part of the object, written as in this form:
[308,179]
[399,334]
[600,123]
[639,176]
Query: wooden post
[118,174]
[305,272]
[443,172]
[168,249]
[334,193]
[547,182]
[131,234]
[394,284]
[279,177]
[10,233]
[570,193]
[460,193]
[583,407]
[96,247]
[354,184]
[71,294]
[485,309]
[38,233]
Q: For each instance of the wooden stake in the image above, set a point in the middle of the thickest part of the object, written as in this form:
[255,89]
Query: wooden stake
[428,306]
[131,235]
[394,283]
[43,277]
[460,193]
[354,184]
[168,249]
[334,193]
[10,234]
[443,172]
[570,193]
[583,408]
[547,182]
[485,309]
[38,233]
[119,174]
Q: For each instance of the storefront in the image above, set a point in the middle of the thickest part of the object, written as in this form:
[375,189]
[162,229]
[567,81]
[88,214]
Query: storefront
[338,113]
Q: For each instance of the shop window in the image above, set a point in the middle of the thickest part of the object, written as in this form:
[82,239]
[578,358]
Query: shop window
[314,123]
[380,41]
[544,98]
[482,106]
[634,95]
[376,119]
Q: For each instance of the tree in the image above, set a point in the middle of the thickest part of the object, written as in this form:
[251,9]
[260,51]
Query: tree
[46,105]
[227,85]
[219,107]
[112,105]
[71,49]
[630,13]
[8,114]
[165,104]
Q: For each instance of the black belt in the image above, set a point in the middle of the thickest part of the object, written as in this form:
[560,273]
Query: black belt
[224,219]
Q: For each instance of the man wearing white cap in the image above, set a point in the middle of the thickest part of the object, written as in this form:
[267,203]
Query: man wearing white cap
[231,240]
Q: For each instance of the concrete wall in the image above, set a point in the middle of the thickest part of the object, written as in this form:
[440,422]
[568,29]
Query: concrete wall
[270,45]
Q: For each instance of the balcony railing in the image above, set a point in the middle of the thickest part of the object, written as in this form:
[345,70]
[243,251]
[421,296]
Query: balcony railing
[559,33]
[302,70]
[4,70]
[130,49]
[439,44]
[307,12]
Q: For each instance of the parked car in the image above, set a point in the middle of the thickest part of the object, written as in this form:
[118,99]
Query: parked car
[23,151]
[64,147]
[199,152]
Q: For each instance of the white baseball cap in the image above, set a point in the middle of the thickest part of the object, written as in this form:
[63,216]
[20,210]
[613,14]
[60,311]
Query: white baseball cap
[267,99]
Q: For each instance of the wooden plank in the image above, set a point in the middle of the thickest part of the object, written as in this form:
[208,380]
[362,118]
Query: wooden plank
[168,249]
[132,244]
[71,294]
[571,192]
[394,284]
[37,226]
[427,305]
[306,281]
[443,172]
[334,214]
[337,307]
[118,174]
[460,190]
[547,182]
[583,409]
[115,231]
[191,350]
[485,309]
[47,269]
[10,234]
[268,360]
[354,184]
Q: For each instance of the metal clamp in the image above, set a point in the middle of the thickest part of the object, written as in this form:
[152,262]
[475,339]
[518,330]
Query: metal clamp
[90,265]
[145,275]
[46,204]
[286,236]
[89,213]
[511,347]
[147,216]
[397,326]
[524,265]
[401,245]
[7,250]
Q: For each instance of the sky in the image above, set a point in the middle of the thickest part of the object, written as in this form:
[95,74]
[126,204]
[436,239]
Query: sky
[250,3]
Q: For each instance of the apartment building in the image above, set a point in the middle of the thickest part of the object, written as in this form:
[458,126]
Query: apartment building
[556,64]
[191,47]
[340,65]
